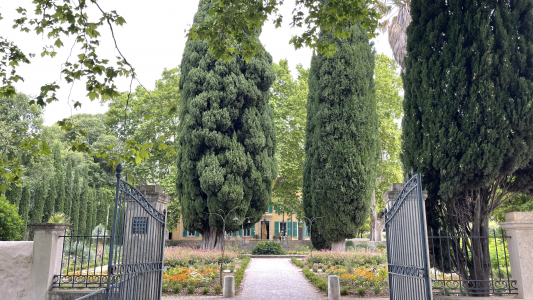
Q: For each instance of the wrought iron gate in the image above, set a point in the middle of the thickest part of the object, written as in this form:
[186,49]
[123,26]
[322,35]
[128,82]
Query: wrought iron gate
[135,267]
[407,244]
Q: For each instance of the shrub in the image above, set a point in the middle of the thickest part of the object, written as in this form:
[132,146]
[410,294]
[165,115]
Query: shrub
[381,246]
[377,290]
[362,245]
[205,290]
[349,244]
[165,287]
[315,269]
[176,287]
[240,272]
[59,217]
[174,243]
[317,281]
[268,248]
[257,237]
[231,267]
[218,289]
[10,221]
[190,289]
[361,291]
[185,256]
[344,290]
[297,262]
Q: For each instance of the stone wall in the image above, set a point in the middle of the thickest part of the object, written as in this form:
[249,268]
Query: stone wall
[15,269]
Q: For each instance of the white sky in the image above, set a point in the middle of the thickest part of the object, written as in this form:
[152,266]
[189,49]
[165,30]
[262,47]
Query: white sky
[153,39]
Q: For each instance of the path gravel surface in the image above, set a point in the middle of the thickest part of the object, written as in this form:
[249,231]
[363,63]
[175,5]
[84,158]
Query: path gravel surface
[272,279]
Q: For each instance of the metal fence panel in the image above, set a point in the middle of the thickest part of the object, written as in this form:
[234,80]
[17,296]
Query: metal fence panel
[407,244]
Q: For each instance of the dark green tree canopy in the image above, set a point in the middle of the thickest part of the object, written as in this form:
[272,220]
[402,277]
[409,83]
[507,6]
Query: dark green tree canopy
[468,101]
[341,138]
[226,135]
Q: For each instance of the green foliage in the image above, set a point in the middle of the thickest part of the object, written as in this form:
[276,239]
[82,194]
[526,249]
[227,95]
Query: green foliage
[341,141]
[242,20]
[218,289]
[59,178]
[75,206]
[176,287]
[24,208]
[376,289]
[11,223]
[205,290]
[59,217]
[389,109]
[381,246]
[349,244]
[361,291]
[298,263]
[289,97]
[50,199]
[268,248]
[317,281]
[227,136]
[344,291]
[467,130]
[14,194]
[39,200]
[520,202]
[239,275]
[69,191]
[190,289]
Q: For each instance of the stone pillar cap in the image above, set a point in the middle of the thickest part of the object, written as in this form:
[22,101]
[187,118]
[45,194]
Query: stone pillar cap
[49,226]
[519,216]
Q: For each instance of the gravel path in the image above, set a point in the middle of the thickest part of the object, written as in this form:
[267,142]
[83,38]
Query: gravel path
[276,278]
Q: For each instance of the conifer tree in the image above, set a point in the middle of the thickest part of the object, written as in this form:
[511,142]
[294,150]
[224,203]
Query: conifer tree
[75,206]
[341,139]
[59,178]
[227,137]
[67,205]
[102,208]
[468,113]
[14,195]
[84,201]
[50,199]
[39,200]
[24,208]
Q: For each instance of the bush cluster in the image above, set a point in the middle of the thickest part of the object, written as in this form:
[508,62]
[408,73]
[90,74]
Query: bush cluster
[240,272]
[268,248]
[320,283]
[299,263]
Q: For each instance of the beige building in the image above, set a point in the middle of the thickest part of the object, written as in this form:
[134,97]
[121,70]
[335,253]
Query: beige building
[271,225]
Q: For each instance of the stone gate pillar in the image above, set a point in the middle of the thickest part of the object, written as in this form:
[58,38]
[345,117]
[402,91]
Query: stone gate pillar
[519,226]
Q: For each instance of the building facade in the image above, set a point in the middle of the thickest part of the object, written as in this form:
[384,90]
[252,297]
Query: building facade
[269,228]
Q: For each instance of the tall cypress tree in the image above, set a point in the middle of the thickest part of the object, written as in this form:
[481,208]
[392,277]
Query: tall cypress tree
[59,176]
[341,139]
[91,211]
[227,138]
[24,208]
[101,212]
[39,199]
[84,201]
[14,195]
[67,204]
[50,200]
[75,206]
[468,112]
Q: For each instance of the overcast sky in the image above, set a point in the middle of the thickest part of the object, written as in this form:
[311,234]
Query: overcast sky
[152,40]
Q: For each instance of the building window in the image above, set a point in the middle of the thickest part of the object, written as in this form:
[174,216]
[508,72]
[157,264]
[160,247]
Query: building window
[248,232]
[283,228]
[191,233]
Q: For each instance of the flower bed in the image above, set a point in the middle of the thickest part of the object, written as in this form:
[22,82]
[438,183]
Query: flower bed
[186,257]
[362,273]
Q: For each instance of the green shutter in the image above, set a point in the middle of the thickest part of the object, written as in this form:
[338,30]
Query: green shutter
[289,228]
[295,229]
[276,227]
[184,232]
[234,233]
[306,231]
[196,233]
[240,232]
[295,211]
[277,209]
[270,209]
[252,233]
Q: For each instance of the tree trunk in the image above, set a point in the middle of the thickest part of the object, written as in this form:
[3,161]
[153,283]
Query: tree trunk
[339,245]
[480,266]
[212,239]
[373,217]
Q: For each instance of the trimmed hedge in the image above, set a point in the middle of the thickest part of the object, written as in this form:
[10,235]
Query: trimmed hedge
[297,262]
[239,275]
[320,283]
[268,248]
